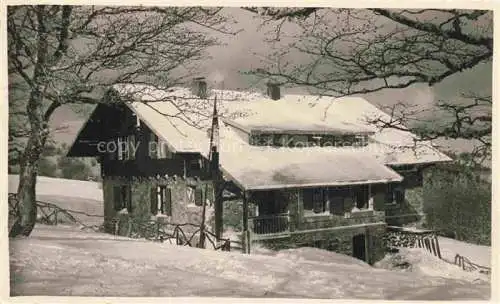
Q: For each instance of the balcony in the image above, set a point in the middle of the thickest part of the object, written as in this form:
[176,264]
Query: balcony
[267,226]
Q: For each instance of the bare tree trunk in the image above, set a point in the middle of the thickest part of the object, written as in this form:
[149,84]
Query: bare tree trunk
[26,193]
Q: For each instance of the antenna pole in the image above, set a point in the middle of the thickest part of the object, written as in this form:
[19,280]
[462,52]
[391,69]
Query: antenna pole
[215,173]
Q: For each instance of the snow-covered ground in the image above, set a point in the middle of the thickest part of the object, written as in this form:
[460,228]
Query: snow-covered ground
[49,186]
[476,253]
[65,261]
[420,261]
[73,195]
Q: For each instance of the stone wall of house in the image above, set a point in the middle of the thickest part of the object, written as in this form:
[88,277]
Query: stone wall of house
[395,239]
[184,209]
[410,212]
[313,231]
[340,241]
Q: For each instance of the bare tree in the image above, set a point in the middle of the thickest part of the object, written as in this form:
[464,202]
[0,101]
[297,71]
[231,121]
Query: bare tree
[347,51]
[72,54]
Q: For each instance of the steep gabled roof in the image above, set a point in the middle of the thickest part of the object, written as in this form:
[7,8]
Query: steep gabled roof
[181,120]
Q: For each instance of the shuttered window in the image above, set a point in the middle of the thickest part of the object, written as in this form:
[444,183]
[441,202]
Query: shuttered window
[349,200]
[117,199]
[161,200]
[198,196]
[126,147]
[122,198]
[389,194]
[399,195]
[379,201]
[131,147]
[308,199]
[153,146]
[336,201]
[362,197]
[315,200]
[154,200]
[318,201]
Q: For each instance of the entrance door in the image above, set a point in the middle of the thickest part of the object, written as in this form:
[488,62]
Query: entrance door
[358,247]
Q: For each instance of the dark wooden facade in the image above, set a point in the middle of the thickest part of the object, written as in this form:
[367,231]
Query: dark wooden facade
[99,138]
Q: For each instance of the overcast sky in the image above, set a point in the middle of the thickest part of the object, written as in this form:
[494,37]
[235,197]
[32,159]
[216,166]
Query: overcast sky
[238,54]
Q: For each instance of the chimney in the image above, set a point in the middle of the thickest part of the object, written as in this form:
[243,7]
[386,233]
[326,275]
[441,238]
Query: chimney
[273,90]
[200,87]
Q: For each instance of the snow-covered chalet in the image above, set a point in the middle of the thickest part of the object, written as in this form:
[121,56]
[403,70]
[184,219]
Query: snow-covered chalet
[299,170]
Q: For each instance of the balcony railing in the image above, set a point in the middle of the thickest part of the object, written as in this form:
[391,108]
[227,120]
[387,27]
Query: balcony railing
[270,224]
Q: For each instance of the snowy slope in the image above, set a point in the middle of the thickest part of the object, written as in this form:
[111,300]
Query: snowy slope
[476,253]
[62,187]
[73,195]
[65,261]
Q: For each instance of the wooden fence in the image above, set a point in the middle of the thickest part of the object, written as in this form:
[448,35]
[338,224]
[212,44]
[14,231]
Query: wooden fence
[467,265]
[51,214]
[429,241]
[169,232]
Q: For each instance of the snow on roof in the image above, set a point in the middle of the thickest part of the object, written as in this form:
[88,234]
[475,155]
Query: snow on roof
[293,113]
[182,120]
[271,168]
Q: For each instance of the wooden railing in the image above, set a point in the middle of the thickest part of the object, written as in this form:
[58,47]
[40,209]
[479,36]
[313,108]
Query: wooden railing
[467,265]
[430,243]
[270,224]
[186,234]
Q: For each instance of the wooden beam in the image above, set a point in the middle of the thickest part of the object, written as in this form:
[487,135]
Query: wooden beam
[367,246]
[246,243]
[218,189]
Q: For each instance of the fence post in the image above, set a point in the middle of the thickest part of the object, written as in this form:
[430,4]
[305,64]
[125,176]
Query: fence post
[55,217]
[433,246]
[249,242]
[157,228]
[129,228]
[437,247]
[177,240]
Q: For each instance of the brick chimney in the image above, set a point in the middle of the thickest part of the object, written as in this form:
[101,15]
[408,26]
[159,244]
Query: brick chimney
[273,90]
[199,87]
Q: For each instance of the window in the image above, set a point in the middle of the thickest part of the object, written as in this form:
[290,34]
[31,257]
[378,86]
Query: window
[315,201]
[298,141]
[122,198]
[336,198]
[126,147]
[399,195]
[389,195]
[158,148]
[153,146]
[319,201]
[307,140]
[161,200]
[198,196]
[280,140]
[308,199]
[195,164]
[362,197]
[163,151]
[263,140]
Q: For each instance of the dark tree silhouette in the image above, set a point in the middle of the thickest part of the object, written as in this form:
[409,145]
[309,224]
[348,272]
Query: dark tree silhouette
[64,54]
